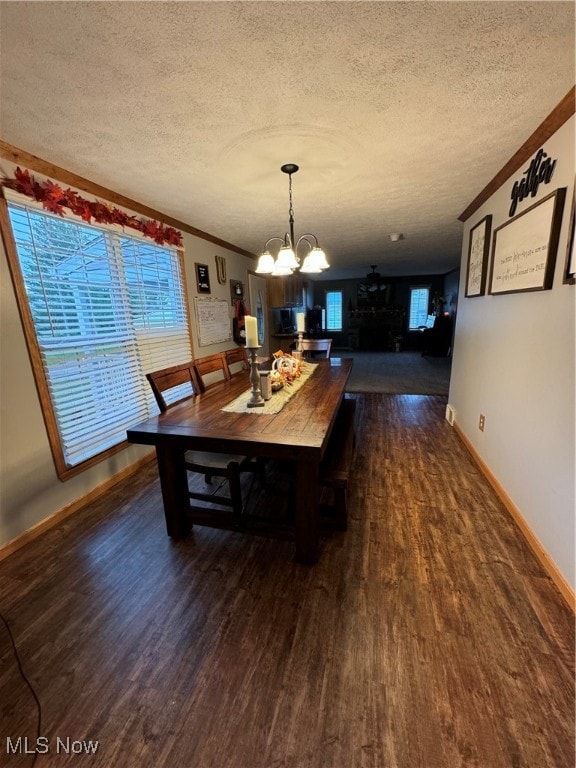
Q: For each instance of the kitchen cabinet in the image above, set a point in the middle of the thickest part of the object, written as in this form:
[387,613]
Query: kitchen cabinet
[286,291]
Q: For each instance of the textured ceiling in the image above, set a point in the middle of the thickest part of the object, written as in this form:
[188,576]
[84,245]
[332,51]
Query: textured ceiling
[398,113]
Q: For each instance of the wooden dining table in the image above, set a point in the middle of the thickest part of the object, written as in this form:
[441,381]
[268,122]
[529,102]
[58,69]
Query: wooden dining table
[299,433]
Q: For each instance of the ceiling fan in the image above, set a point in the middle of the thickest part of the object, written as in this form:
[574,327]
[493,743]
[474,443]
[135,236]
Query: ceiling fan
[374,279]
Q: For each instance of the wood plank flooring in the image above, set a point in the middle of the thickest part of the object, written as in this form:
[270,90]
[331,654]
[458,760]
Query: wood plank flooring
[428,635]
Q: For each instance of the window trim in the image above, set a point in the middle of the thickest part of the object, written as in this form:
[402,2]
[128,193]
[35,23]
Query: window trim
[63,470]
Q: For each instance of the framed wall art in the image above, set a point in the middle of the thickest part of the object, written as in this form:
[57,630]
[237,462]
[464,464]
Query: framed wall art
[236,290]
[478,250]
[524,248]
[202,278]
[212,321]
[570,268]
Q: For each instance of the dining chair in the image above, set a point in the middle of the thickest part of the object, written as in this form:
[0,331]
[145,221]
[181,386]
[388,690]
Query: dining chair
[309,346]
[211,364]
[172,386]
[237,355]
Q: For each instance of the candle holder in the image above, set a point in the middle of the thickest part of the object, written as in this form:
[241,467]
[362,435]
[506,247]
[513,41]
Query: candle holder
[299,342]
[256,399]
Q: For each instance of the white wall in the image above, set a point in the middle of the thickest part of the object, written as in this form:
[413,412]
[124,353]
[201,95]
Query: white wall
[30,491]
[514,362]
[201,251]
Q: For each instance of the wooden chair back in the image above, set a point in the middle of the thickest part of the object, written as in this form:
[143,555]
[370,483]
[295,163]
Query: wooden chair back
[237,355]
[316,345]
[211,364]
[172,385]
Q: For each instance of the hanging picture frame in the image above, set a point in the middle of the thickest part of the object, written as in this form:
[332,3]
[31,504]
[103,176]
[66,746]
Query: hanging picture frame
[524,248]
[570,267]
[236,290]
[202,278]
[478,251]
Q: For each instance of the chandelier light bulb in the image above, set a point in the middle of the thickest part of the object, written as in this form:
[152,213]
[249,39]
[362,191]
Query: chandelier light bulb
[286,258]
[280,271]
[265,264]
[319,258]
[309,266]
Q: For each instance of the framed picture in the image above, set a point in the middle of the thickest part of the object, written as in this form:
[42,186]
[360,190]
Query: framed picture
[524,249]
[202,278]
[236,291]
[478,250]
[570,268]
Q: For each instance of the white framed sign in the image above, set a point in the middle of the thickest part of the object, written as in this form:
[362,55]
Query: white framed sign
[524,248]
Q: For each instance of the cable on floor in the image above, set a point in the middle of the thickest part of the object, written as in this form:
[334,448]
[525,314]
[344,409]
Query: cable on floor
[28,683]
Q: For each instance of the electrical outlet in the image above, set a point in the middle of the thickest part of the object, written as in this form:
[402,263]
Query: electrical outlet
[481,422]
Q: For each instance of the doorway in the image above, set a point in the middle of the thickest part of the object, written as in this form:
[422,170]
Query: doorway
[257,291]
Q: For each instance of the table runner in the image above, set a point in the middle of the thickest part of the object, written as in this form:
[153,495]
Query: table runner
[278,399]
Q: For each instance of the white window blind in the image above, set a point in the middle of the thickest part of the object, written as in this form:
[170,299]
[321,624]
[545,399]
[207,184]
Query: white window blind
[333,310]
[419,297]
[107,309]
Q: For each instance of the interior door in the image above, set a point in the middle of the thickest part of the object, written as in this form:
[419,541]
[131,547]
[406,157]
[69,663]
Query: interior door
[259,308]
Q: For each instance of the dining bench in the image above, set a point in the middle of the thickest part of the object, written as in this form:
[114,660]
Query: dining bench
[337,462]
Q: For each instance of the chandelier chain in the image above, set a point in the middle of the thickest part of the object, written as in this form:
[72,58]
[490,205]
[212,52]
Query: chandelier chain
[290,208]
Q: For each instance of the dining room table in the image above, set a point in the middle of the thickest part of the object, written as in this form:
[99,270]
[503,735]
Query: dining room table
[298,433]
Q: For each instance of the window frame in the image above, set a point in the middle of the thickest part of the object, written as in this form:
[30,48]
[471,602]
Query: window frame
[63,470]
[340,293]
[421,287]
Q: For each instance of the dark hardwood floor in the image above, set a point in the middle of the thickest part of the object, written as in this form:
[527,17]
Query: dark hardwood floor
[427,636]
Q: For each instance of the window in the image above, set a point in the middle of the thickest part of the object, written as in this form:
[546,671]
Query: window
[105,309]
[419,297]
[333,310]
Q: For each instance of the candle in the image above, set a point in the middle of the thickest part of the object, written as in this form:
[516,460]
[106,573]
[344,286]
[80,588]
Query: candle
[300,322]
[251,331]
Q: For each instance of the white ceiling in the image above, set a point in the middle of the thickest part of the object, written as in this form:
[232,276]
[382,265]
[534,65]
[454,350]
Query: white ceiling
[398,113]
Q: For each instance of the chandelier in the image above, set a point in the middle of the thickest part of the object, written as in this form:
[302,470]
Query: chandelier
[287,259]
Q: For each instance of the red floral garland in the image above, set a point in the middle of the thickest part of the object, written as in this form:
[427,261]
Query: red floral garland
[55,199]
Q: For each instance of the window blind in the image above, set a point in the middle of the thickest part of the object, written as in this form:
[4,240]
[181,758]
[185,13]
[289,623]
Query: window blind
[333,310]
[418,307]
[107,309]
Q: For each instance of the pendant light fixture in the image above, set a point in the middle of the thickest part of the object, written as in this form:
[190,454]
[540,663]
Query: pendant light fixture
[287,259]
